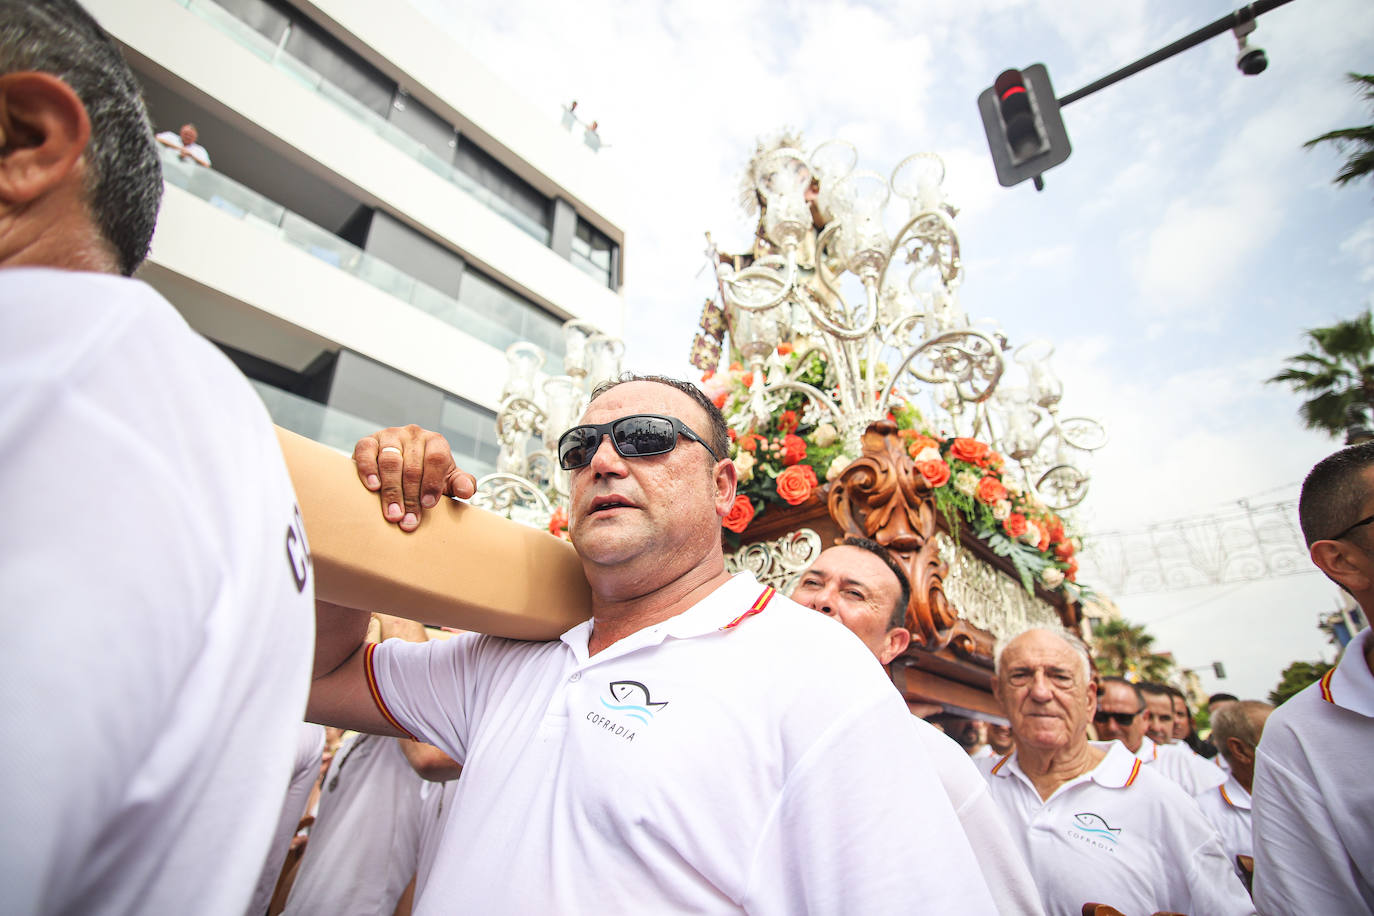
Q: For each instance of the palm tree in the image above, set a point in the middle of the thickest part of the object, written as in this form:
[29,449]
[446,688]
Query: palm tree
[1356,142]
[1122,649]
[1337,372]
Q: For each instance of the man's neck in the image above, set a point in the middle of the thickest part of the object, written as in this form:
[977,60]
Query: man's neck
[617,613]
[1048,769]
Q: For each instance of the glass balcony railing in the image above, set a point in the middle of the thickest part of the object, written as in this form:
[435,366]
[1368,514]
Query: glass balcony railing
[254,41]
[251,207]
[335,428]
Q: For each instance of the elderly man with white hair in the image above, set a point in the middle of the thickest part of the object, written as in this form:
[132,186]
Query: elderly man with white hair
[1093,824]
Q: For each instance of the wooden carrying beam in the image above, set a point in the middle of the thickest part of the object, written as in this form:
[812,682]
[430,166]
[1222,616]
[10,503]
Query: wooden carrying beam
[463,567]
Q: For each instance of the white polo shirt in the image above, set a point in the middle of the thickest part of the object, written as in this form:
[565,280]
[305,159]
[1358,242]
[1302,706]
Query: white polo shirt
[304,773]
[1178,762]
[678,770]
[998,854]
[159,623]
[1120,834]
[1314,795]
[364,846]
[1228,809]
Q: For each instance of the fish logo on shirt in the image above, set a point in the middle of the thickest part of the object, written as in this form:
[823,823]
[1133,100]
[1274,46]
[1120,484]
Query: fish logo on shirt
[633,700]
[1097,825]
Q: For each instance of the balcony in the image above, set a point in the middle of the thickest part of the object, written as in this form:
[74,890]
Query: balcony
[256,43]
[247,205]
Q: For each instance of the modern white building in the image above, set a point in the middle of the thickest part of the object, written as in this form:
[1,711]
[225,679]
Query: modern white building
[382,217]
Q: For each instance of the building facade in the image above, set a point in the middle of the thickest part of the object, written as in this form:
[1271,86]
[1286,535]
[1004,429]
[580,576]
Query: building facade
[382,216]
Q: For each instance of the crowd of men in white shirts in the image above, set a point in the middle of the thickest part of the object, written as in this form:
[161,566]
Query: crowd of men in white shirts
[158,672]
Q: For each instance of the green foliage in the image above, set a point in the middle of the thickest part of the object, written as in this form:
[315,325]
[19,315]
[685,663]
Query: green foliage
[1336,373]
[1296,678]
[1124,649]
[1357,143]
[1028,562]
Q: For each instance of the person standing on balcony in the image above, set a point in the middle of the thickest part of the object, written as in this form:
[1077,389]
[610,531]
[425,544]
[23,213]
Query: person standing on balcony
[184,142]
[157,639]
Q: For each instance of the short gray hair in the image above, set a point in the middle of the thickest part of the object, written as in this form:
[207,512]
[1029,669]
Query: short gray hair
[123,171]
[1069,639]
[1238,720]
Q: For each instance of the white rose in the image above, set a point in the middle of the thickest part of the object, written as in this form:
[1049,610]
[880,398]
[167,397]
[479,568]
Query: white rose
[1053,577]
[1013,485]
[1001,509]
[929,453]
[1032,535]
[837,467]
[966,482]
[744,465]
[825,435]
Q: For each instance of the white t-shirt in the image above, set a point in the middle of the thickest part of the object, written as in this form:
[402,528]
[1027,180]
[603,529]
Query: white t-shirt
[998,855]
[1314,795]
[1228,808]
[160,628]
[309,753]
[436,804]
[1120,834]
[1178,762]
[364,845]
[675,770]
[173,138]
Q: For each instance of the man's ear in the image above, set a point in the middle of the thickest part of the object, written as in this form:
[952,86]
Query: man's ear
[898,638]
[726,476]
[1341,563]
[1240,750]
[44,130]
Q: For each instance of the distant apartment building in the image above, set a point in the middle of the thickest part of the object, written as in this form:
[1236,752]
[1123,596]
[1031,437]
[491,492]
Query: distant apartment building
[383,216]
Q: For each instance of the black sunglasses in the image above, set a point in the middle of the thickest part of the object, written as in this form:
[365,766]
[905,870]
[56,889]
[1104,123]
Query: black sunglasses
[1345,531]
[1123,719]
[636,436]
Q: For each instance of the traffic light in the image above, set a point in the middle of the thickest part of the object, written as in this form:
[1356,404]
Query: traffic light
[1025,131]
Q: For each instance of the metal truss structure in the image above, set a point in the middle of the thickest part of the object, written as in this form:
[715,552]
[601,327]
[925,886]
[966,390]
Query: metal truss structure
[1249,543]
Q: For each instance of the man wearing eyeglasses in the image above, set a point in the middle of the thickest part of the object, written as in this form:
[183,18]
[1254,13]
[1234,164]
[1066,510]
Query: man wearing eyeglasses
[1313,804]
[1093,823]
[1123,715]
[657,758]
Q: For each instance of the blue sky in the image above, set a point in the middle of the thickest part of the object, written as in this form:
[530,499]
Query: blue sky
[1174,259]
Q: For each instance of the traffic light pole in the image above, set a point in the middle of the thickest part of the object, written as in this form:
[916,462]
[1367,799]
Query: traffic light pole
[1225,23]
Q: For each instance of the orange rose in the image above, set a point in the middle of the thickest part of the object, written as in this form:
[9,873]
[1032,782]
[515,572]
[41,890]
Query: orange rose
[719,400]
[740,515]
[793,450]
[748,443]
[708,375]
[784,349]
[995,461]
[990,490]
[1056,530]
[736,367]
[1015,525]
[1063,550]
[747,379]
[787,421]
[1072,572]
[558,522]
[797,483]
[936,473]
[970,450]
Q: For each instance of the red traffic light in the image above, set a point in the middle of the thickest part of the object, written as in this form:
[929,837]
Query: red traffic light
[1014,103]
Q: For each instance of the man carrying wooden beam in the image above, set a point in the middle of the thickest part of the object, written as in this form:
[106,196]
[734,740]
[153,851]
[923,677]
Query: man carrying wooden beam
[654,759]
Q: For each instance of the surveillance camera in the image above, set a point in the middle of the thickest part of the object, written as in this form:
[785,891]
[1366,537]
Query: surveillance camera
[1251,61]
